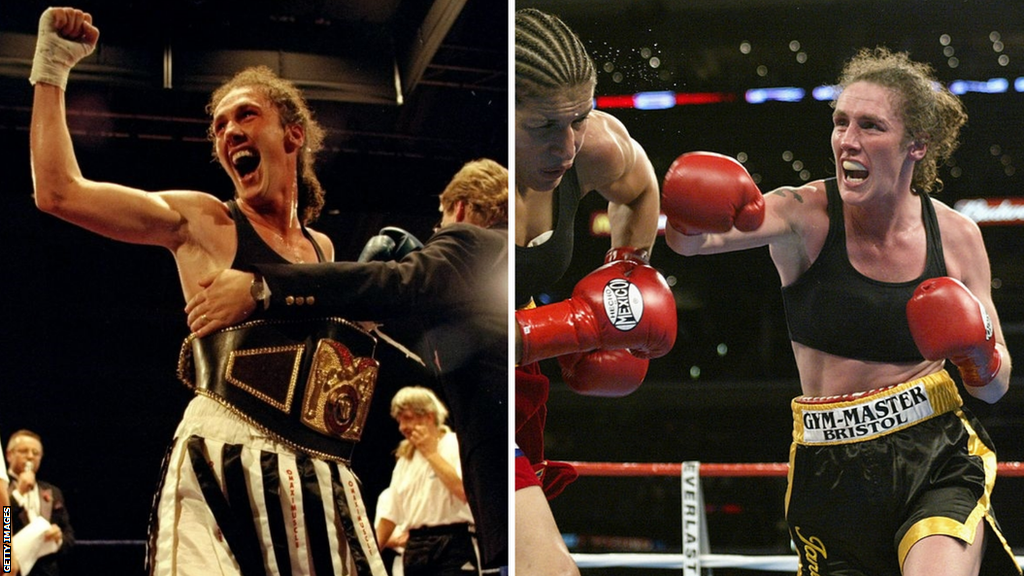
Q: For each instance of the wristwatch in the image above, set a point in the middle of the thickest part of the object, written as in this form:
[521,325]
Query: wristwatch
[259,290]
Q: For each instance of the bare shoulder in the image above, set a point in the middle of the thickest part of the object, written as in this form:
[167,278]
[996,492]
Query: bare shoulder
[794,200]
[961,236]
[796,225]
[954,223]
[607,153]
[800,194]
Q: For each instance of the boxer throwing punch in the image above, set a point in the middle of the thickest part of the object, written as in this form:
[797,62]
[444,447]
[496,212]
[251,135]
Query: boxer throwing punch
[881,284]
[565,149]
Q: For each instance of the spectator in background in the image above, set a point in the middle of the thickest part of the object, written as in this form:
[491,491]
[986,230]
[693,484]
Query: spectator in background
[427,496]
[31,498]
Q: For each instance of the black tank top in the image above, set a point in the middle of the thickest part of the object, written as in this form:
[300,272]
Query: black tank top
[539,267]
[834,308]
[253,250]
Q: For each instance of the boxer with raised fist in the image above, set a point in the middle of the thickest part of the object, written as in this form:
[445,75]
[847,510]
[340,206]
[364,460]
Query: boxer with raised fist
[564,150]
[66,35]
[265,138]
[881,284]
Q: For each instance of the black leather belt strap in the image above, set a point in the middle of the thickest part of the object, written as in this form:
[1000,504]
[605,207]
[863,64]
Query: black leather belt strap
[307,382]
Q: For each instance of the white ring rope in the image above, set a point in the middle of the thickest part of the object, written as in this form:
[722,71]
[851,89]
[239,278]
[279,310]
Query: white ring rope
[679,561]
[694,525]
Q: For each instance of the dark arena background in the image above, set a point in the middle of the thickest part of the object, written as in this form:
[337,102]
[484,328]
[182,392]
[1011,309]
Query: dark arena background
[738,77]
[92,328]
[407,90]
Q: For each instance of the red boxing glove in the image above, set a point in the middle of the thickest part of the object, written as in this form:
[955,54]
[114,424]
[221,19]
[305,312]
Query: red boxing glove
[554,476]
[708,192]
[611,373]
[638,255]
[620,305]
[947,321]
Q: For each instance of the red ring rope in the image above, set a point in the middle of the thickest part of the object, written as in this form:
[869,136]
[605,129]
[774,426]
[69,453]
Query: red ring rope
[1005,469]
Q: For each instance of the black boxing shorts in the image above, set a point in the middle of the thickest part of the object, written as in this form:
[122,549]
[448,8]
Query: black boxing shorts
[871,474]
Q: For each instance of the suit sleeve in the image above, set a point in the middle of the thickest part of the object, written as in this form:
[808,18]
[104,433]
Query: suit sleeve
[60,517]
[438,276]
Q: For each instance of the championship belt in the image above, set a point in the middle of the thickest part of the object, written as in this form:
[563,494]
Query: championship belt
[307,383]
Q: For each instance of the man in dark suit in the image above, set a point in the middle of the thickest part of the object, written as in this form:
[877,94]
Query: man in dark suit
[455,286]
[31,498]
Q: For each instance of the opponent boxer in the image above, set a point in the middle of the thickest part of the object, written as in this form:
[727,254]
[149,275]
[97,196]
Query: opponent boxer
[565,149]
[224,486]
[881,284]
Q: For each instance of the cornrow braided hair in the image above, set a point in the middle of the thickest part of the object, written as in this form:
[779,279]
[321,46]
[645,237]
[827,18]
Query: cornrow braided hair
[548,55]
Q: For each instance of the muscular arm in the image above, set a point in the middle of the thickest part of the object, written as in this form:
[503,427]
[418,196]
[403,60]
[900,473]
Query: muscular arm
[115,211]
[65,36]
[967,260]
[794,228]
[634,203]
[615,165]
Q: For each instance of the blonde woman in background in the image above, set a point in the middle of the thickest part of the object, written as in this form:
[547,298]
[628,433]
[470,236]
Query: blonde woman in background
[427,496]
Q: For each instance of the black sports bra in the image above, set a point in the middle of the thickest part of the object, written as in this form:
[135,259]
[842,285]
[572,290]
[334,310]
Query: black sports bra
[539,267]
[834,308]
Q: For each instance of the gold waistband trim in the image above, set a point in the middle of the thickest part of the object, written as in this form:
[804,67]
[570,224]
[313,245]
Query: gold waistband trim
[859,417]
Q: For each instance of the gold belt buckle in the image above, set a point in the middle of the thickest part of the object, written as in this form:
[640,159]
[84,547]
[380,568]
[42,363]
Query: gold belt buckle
[338,392]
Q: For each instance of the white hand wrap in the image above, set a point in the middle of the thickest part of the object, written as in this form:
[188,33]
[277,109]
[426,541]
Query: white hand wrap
[55,56]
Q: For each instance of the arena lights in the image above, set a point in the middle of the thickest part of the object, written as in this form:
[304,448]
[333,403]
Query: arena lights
[761,95]
[993,86]
[601,224]
[825,93]
[654,100]
[661,100]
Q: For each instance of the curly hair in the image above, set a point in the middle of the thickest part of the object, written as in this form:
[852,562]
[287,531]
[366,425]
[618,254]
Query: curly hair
[931,113]
[293,109]
[483,185]
[549,56]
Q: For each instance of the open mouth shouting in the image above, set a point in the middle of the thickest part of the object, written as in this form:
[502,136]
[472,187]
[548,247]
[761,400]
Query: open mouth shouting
[245,161]
[855,172]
